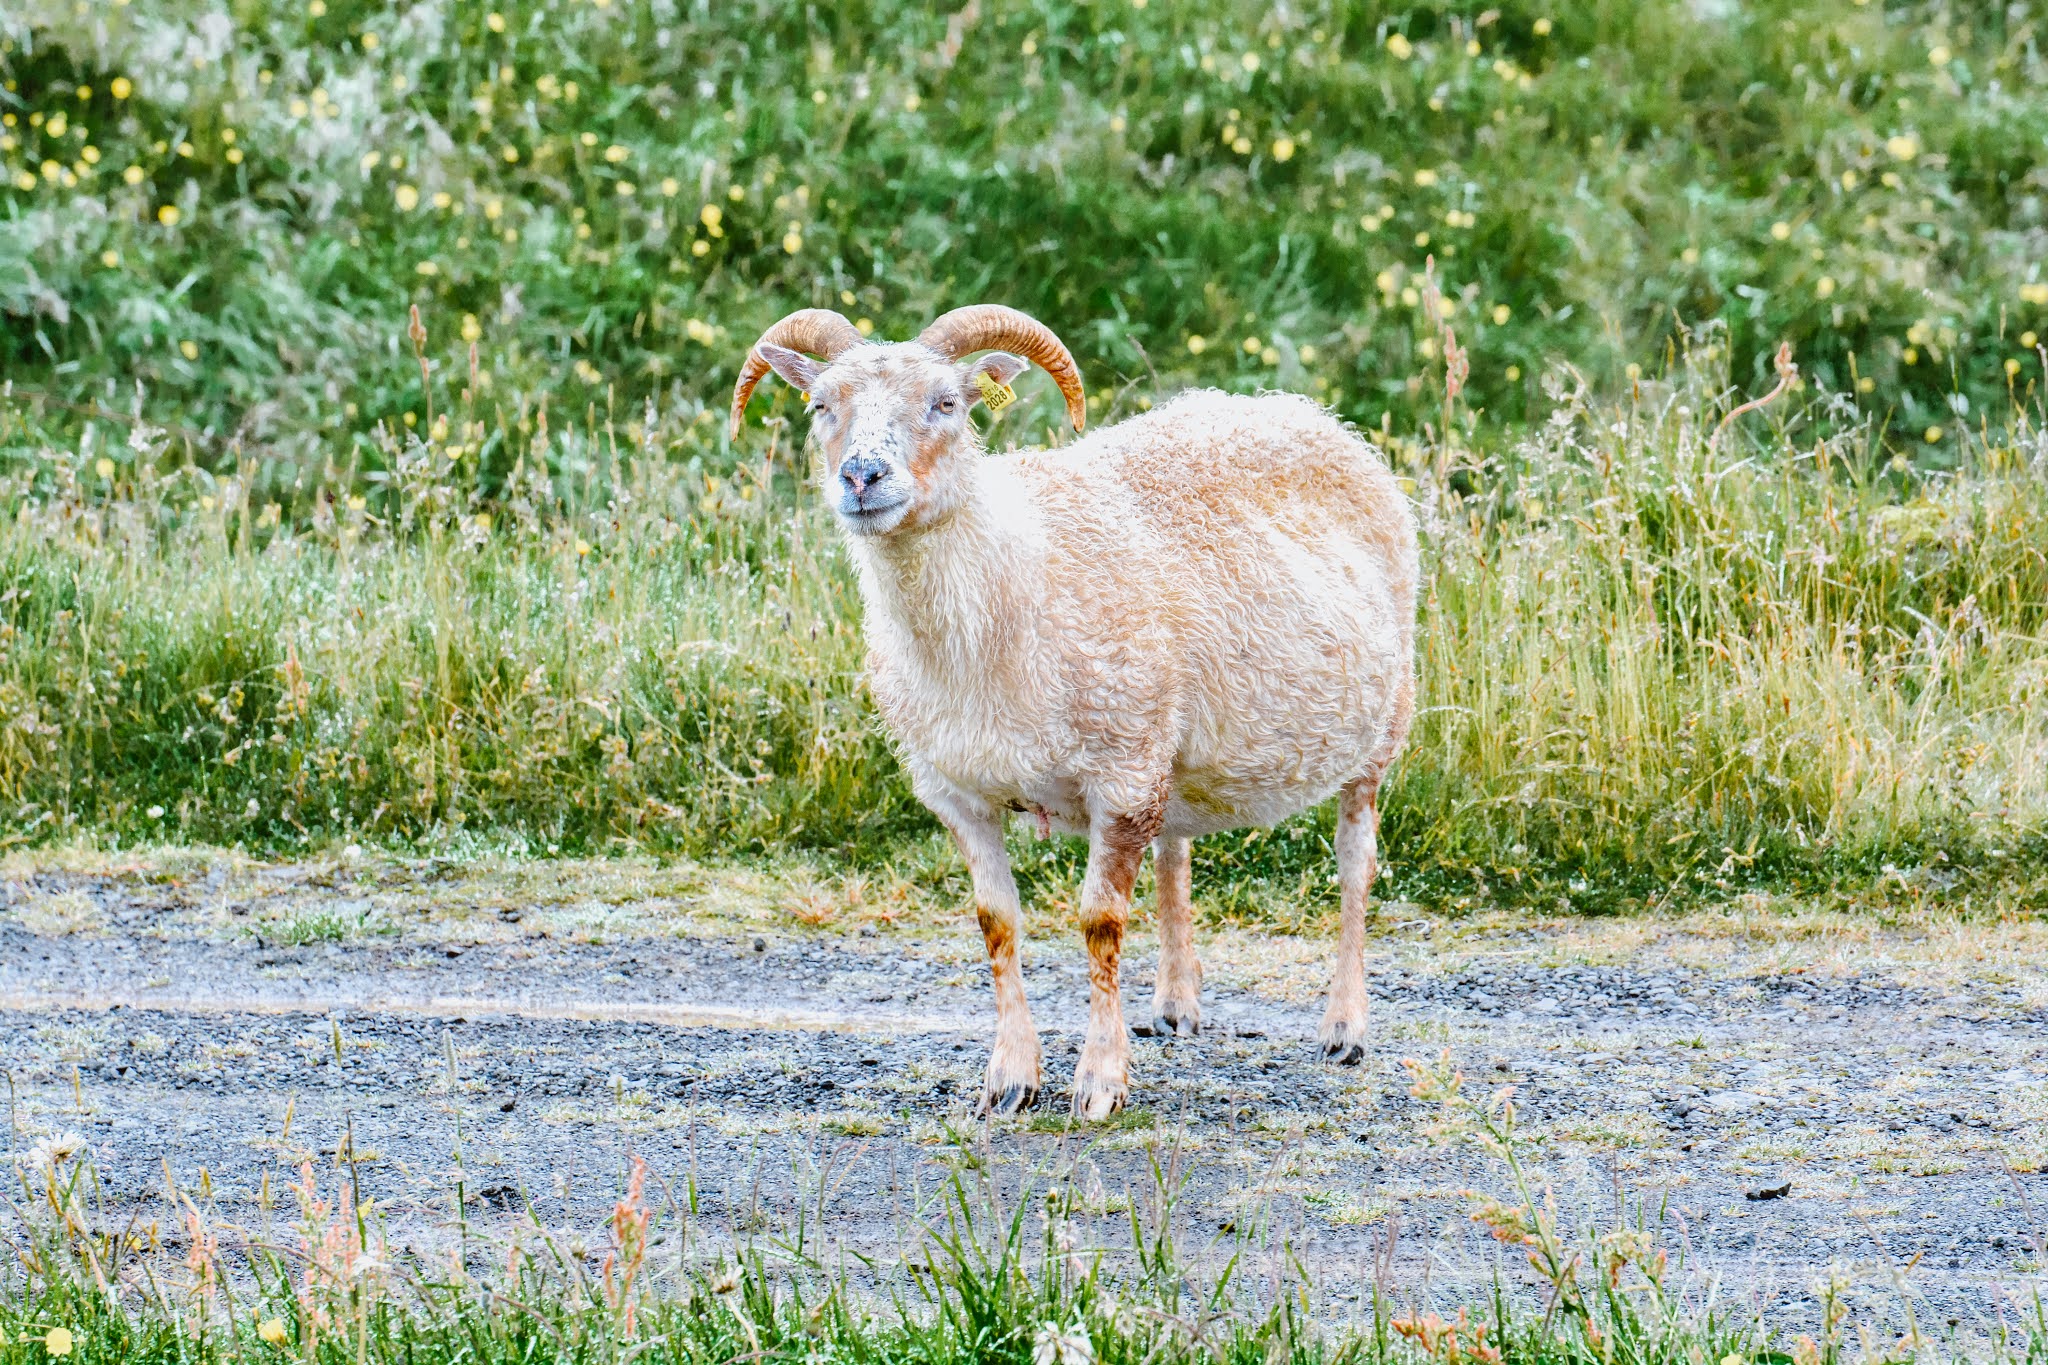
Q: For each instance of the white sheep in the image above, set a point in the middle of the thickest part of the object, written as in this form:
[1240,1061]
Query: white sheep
[1198,619]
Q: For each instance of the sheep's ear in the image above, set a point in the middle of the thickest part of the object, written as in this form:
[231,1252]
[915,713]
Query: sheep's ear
[797,370]
[988,380]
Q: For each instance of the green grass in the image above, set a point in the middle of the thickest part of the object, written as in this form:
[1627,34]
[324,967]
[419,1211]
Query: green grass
[1860,178]
[1653,666]
[281,573]
[993,1270]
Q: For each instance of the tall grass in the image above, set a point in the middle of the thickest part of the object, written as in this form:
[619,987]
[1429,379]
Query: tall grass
[1658,657]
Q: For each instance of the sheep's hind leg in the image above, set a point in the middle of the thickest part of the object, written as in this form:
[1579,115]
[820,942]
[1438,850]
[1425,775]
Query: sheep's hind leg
[1014,1062]
[1342,1035]
[1102,1082]
[1177,990]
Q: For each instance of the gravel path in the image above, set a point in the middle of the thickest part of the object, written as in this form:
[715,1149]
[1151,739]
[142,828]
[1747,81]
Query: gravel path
[457,1027]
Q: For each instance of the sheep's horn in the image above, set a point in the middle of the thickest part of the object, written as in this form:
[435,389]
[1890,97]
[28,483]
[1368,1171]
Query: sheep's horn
[814,331]
[992,327]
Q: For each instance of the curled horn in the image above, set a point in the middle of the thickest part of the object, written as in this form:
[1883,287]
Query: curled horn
[992,327]
[814,331]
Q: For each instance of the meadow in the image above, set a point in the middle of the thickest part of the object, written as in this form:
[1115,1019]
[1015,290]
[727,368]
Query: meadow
[365,481]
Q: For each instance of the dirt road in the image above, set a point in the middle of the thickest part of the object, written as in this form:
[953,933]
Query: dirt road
[523,1032]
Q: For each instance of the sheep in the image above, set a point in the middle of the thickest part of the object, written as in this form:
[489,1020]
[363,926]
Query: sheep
[1198,619]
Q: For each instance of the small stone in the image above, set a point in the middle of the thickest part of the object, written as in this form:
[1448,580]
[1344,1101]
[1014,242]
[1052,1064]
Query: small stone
[508,1106]
[760,945]
[1768,1191]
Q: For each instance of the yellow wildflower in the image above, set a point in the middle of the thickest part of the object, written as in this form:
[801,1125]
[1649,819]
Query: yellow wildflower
[1283,149]
[168,215]
[120,88]
[1399,45]
[1197,344]
[272,1329]
[408,197]
[189,349]
[57,1342]
[495,22]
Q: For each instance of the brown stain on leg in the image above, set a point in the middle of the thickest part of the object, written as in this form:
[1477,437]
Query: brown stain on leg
[1014,1064]
[1177,989]
[1343,1032]
[1102,1080]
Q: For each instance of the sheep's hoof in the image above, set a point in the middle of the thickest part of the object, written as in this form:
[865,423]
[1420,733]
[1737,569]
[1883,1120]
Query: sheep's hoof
[1176,1018]
[1014,1098]
[1343,1041]
[1097,1097]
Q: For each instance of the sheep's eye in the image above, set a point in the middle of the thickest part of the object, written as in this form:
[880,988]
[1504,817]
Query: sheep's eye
[945,405]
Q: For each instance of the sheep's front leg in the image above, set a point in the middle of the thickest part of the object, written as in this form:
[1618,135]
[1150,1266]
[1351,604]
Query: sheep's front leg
[1177,990]
[1014,1062]
[1102,1081]
[1358,820]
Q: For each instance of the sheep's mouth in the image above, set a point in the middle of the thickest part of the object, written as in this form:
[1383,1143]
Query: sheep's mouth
[869,517]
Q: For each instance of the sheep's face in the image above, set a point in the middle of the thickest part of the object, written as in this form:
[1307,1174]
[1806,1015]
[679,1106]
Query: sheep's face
[895,446]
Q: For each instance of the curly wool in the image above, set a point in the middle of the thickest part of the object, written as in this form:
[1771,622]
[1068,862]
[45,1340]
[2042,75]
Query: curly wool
[1202,616]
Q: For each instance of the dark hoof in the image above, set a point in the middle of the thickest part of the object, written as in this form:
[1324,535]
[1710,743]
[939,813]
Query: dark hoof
[1164,1027]
[1344,1053]
[1015,1099]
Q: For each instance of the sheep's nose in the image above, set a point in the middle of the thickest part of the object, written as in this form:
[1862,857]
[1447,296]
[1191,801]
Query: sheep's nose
[862,473]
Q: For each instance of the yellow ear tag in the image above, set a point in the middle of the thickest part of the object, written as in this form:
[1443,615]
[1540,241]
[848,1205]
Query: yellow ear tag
[994,392]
